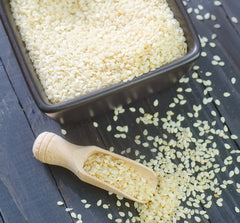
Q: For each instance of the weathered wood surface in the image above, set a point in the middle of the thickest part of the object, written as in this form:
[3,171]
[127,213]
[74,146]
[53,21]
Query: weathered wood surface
[30,190]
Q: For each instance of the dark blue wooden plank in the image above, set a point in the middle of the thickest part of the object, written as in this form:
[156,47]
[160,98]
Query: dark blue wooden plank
[28,192]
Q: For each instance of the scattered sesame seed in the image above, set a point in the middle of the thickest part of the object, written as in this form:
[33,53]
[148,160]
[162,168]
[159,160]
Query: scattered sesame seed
[84,201]
[109,128]
[110,217]
[155,103]
[87,206]
[214,62]
[189,10]
[79,216]
[99,202]
[221,63]
[217,3]
[105,206]
[226,94]
[217,26]
[207,16]
[95,124]
[234,137]
[233,80]
[197,219]
[63,131]
[68,209]
[234,19]
[238,159]
[214,113]
[231,173]
[212,44]
[199,17]
[73,215]
[60,203]
[237,209]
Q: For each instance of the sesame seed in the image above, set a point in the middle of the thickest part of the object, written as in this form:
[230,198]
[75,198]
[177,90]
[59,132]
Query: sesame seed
[217,3]
[68,209]
[212,44]
[155,103]
[214,62]
[95,124]
[238,159]
[109,128]
[197,219]
[60,203]
[105,206]
[236,209]
[217,102]
[226,94]
[233,80]
[79,216]
[231,173]
[99,202]
[189,10]
[207,15]
[213,113]
[110,217]
[236,170]
[234,19]
[84,201]
[63,131]
[217,26]
[208,73]
[234,137]
[73,215]
[221,63]
[199,17]
[87,206]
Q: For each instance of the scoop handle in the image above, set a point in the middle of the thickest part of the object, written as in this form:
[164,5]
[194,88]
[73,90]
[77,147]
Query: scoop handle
[52,149]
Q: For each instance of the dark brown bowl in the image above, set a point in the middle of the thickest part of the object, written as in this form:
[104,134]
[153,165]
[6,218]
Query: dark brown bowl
[102,100]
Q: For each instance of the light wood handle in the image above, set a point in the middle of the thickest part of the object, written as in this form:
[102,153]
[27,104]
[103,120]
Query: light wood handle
[52,149]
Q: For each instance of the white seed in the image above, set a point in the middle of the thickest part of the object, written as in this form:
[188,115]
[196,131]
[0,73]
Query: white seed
[217,3]
[197,219]
[60,203]
[237,209]
[226,94]
[231,173]
[238,159]
[110,217]
[199,17]
[234,19]
[234,137]
[95,124]
[109,128]
[73,215]
[68,209]
[155,103]
[63,131]
[189,10]
[233,80]
[87,206]
[99,202]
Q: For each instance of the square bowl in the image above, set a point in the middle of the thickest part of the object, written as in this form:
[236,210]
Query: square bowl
[95,103]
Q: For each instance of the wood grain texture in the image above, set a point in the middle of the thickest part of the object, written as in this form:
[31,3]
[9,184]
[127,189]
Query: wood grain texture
[24,182]
[29,197]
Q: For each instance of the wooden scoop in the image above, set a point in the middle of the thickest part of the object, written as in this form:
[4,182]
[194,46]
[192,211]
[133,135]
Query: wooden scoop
[52,149]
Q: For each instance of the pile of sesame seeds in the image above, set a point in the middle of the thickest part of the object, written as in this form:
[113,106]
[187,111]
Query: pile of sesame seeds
[119,174]
[194,154]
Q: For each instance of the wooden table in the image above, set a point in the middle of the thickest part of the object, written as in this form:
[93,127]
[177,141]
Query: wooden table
[30,190]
